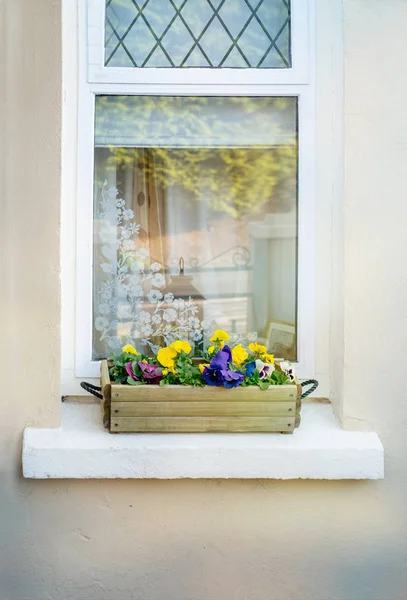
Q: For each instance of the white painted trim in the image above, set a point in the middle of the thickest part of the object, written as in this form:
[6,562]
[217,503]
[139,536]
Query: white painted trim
[299,73]
[319,449]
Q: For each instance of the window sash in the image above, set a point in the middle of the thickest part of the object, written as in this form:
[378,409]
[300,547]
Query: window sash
[298,73]
[95,79]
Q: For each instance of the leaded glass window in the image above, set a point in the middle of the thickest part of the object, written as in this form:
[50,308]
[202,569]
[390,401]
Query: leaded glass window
[198,33]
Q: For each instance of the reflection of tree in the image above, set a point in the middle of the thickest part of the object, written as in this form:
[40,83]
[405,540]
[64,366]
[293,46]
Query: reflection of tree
[236,180]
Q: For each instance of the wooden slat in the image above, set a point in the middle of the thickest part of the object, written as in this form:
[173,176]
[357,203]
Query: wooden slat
[106,391]
[203,409]
[104,374]
[202,424]
[177,393]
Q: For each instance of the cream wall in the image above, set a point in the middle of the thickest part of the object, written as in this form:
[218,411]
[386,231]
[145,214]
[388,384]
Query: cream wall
[207,540]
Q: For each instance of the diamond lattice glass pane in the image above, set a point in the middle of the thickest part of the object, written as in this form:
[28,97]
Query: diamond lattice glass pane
[198,33]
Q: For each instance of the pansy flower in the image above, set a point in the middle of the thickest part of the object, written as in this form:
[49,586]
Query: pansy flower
[264,369]
[239,354]
[151,373]
[287,368]
[250,367]
[130,372]
[218,373]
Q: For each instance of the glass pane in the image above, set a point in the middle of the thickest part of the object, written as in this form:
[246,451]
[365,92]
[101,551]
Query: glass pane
[195,221]
[198,33]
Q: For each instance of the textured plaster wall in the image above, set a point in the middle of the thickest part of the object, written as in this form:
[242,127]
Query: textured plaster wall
[204,540]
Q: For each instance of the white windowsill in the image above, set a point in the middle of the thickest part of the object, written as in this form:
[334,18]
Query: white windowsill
[82,449]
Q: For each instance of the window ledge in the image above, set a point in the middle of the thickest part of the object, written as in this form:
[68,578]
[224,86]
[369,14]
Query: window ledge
[82,449]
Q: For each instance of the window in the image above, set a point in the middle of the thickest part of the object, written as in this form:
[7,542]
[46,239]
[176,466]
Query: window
[195,195]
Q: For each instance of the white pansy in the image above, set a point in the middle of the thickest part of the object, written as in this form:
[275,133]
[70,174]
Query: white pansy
[170,315]
[155,267]
[156,319]
[158,280]
[103,308]
[101,323]
[193,322]
[287,368]
[144,317]
[154,296]
[128,214]
[265,369]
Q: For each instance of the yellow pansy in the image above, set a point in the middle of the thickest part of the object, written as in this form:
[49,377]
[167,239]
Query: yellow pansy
[219,336]
[181,345]
[165,371]
[239,354]
[129,349]
[257,348]
[202,366]
[165,357]
[268,358]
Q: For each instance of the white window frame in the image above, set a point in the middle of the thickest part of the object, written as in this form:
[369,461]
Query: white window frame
[299,81]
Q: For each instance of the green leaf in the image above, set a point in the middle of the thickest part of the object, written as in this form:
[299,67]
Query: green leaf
[131,381]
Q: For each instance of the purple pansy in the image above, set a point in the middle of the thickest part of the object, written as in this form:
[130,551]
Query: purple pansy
[232,378]
[130,372]
[151,373]
[221,359]
[212,376]
[218,373]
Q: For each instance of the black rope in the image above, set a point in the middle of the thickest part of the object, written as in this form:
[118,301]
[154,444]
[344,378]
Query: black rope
[92,389]
[313,383]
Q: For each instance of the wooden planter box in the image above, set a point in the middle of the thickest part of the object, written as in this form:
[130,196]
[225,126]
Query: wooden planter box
[185,409]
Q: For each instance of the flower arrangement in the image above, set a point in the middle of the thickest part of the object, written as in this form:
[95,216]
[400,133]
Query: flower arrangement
[220,365]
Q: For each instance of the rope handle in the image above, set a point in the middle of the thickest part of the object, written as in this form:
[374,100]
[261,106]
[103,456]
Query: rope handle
[313,383]
[92,389]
